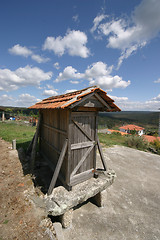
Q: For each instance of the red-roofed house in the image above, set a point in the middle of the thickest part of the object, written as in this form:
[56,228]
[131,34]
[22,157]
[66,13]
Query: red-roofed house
[110,131]
[151,138]
[131,127]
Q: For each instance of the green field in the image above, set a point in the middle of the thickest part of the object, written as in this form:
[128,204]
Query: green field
[109,140]
[22,133]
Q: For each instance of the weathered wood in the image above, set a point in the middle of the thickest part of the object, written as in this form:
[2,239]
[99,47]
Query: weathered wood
[82,130]
[33,153]
[82,145]
[54,129]
[60,177]
[81,161]
[96,137]
[29,149]
[89,109]
[58,167]
[81,177]
[102,101]
[101,155]
[69,148]
[82,100]
[85,114]
[51,146]
[92,102]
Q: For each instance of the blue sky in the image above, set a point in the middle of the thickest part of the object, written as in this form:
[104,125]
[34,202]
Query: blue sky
[55,46]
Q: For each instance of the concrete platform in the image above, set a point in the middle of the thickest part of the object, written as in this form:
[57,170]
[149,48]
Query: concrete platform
[61,200]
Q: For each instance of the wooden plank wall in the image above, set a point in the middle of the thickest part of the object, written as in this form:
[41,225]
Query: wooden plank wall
[87,120]
[53,133]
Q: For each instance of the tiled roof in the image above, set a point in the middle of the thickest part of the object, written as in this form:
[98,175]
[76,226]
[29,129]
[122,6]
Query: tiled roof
[132,127]
[122,133]
[66,100]
[151,138]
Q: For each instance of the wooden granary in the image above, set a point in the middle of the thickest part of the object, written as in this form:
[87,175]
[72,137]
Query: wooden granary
[67,131]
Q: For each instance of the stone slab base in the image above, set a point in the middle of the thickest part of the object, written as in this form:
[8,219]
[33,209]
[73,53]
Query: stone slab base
[61,200]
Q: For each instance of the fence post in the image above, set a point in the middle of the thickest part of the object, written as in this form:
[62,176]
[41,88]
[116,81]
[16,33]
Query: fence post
[14,144]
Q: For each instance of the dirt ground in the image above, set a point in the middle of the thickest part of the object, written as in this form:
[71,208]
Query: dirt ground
[19,219]
[132,203]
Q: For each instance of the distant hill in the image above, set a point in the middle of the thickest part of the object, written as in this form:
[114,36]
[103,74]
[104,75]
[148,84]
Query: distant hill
[146,119]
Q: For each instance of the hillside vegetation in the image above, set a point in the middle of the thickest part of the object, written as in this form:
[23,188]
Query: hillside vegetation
[148,120]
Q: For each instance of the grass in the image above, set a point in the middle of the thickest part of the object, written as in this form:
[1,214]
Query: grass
[112,139]
[22,133]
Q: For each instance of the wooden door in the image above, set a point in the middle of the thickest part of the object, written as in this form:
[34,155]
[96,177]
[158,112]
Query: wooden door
[83,134]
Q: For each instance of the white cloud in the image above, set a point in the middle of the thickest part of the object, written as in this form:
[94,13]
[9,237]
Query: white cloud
[118,99]
[74,43]
[129,36]
[27,76]
[56,65]
[39,59]
[75,18]
[20,50]
[97,21]
[68,73]
[156,98]
[6,100]
[97,74]
[157,81]
[23,100]
[126,105]
[74,82]
[70,90]
[25,52]
[26,100]
[49,92]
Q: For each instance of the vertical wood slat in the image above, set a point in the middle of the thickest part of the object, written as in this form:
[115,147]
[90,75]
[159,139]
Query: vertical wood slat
[96,138]
[82,130]
[58,167]
[33,153]
[82,160]
[101,155]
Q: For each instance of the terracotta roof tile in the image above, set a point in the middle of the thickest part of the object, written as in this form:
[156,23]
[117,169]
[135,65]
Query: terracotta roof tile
[132,127]
[65,100]
[151,138]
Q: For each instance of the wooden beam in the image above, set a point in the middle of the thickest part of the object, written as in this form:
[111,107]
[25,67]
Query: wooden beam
[82,130]
[102,101]
[82,100]
[81,161]
[82,145]
[58,167]
[29,149]
[52,166]
[101,155]
[33,153]
[55,129]
[81,177]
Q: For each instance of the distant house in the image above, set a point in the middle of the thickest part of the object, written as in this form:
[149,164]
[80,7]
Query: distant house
[110,131]
[130,127]
[151,138]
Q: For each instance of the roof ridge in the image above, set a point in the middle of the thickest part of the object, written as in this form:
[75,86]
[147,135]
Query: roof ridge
[70,93]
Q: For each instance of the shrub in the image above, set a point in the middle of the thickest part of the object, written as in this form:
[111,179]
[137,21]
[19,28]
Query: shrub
[156,145]
[136,142]
[116,134]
